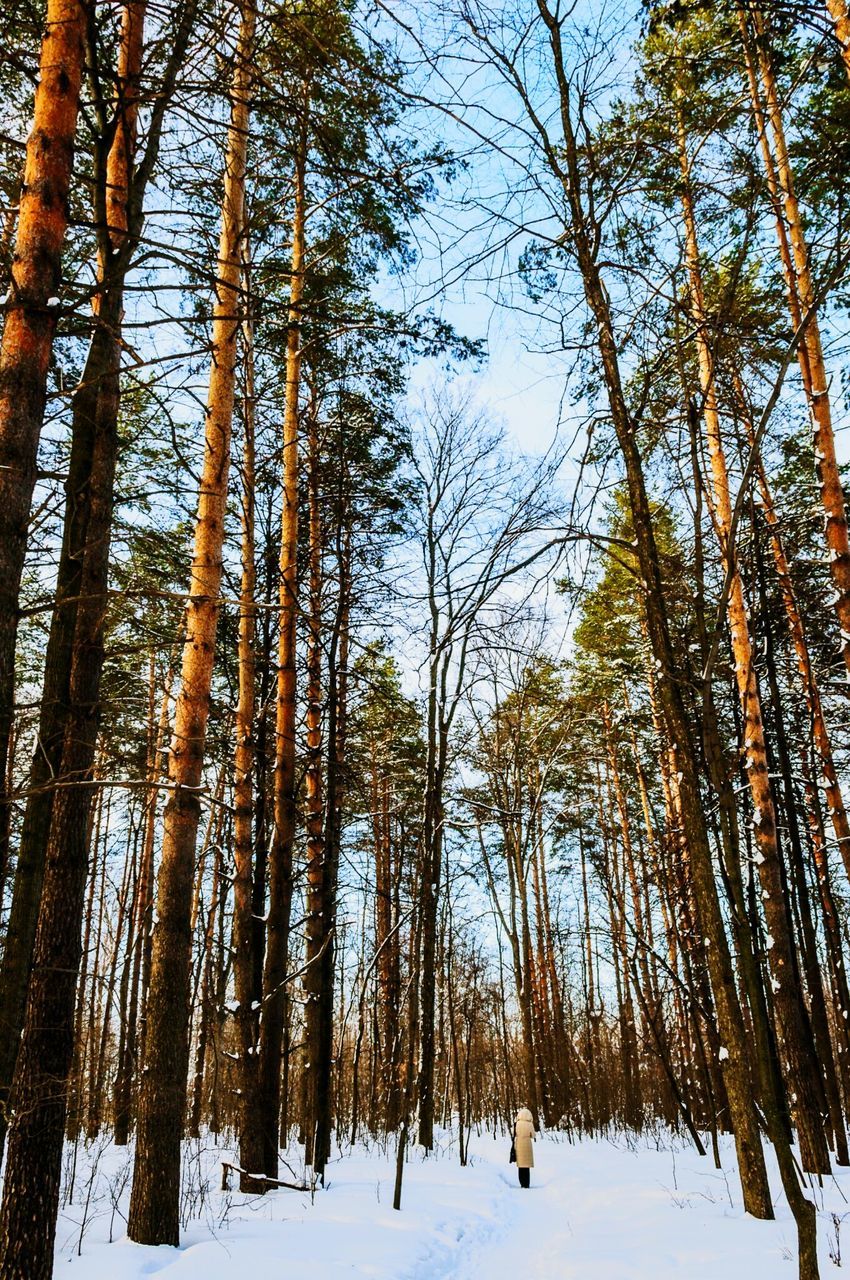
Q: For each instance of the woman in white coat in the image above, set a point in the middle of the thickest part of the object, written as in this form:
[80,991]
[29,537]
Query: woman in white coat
[524,1145]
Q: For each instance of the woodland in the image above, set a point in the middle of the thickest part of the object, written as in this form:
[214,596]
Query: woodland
[377,758]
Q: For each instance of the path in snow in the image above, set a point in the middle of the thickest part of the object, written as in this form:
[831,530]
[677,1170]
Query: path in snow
[596,1211]
[599,1212]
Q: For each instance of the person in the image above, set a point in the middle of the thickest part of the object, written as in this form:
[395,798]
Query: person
[523,1145]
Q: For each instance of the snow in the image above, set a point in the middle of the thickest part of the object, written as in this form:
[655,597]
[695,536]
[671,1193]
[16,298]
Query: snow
[623,1209]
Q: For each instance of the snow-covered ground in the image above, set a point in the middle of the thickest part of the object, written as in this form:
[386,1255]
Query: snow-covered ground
[597,1210]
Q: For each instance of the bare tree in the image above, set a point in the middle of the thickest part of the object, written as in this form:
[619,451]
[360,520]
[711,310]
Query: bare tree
[484,521]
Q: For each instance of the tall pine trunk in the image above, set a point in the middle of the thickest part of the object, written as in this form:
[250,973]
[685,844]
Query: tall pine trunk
[275,996]
[795,1032]
[736,1063]
[316,910]
[155,1199]
[31,315]
[244,932]
[337,738]
[794,254]
[118,197]
[429,889]
[841,18]
[30,1202]
[128,1063]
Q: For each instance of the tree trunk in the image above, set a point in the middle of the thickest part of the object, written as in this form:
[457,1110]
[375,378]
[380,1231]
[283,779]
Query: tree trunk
[46,1050]
[155,1199]
[103,996]
[808,681]
[204,1001]
[134,1037]
[387,1005]
[94,444]
[31,315]
[808,938]
[801,299]
[736,1065]
[275,996]
[337,731]
[560,1047]
[56,856]
[316,939]
[794,1028]
[74,1117]
[429,888]
[629,1054]
[244,933]
[840,16]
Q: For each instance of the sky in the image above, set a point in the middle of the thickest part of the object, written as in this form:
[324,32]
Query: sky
[522,381]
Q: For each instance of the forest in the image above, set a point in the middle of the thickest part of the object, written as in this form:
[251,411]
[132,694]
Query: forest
[424,635]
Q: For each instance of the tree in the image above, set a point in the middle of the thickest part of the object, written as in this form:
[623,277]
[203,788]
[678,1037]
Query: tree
[30,324]
[75,641]
[478,529]
[154,1207]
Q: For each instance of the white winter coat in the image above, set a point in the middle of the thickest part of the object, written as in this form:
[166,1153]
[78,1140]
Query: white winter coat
[524,1139]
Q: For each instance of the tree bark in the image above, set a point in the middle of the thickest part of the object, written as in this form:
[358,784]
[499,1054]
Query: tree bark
[46,1047]
[429,886]
[134,1037]
[841,18]
[337,735]
[316,938]
[736,1071]
[30,1202]
[794,255]
[244,932]
[31,315]
[94,447]
[794,1027]
[808,680]
[275,997]
[155,1199]
[799,888]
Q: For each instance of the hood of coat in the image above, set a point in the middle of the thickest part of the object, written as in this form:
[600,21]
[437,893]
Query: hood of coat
[525,1114]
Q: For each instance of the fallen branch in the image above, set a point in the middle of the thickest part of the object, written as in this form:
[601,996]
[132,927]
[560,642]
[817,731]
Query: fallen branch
[227,1168]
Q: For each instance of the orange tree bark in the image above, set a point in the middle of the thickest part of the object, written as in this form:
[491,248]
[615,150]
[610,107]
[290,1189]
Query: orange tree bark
[155,1198]
[94,445]
[835,804]
[794,254]
[795,1033]
[275,1004]
[841,18]
[58,862]
[244,932]
[31,314]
